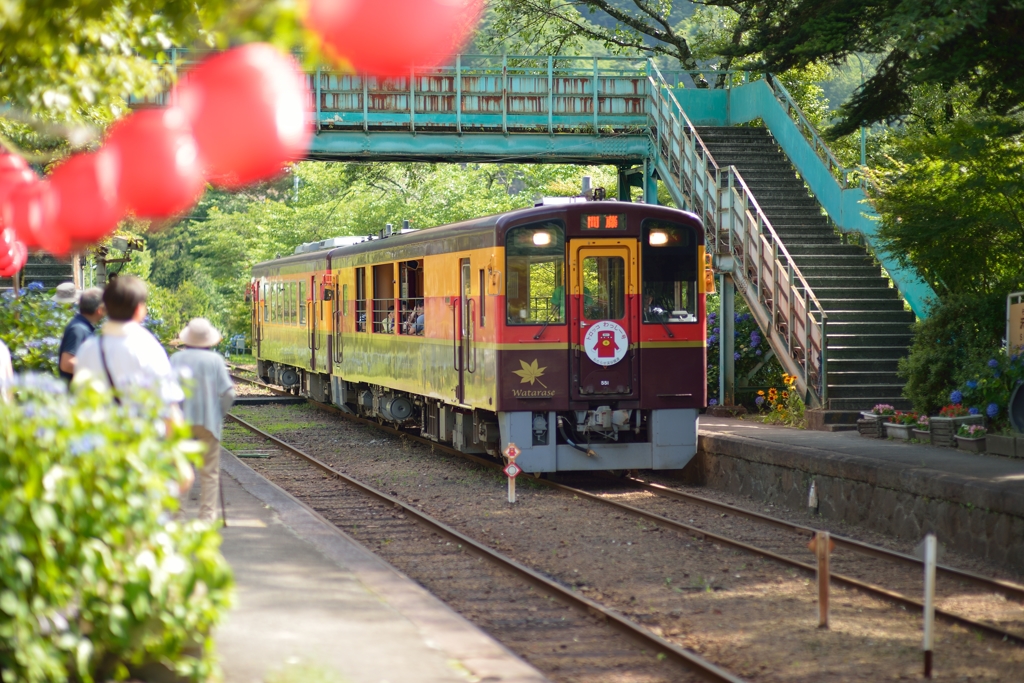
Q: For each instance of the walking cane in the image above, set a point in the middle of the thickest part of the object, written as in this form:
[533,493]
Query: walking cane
[223,511]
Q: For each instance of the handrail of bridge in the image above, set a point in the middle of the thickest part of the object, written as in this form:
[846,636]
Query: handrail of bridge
[743,241]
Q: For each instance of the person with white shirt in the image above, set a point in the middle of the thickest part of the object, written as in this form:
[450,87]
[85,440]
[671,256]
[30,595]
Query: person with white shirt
[126,356]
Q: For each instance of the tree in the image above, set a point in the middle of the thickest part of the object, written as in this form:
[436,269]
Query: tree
[974,43]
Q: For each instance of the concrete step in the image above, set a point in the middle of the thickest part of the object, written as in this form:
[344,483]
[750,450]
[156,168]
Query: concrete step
[860,404]
[860,378]
[879,291]
[890,339]
[837,329]
[839,353]
[839,270]
[836,261]
[862,305]
[843,365]
[903,317]
[798,249]
[879,393]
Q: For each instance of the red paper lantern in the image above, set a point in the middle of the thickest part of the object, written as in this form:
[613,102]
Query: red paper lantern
[86,185]
[31,209]
[7,250]
[160,172]
[390,37]
[247,108]
[14,171]
[18,262]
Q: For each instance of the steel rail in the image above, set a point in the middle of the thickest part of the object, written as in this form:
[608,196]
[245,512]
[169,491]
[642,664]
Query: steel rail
[1008,588]
[688,659]
[841,579]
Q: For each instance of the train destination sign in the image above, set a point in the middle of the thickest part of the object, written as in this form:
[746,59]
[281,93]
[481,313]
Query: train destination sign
[603,221]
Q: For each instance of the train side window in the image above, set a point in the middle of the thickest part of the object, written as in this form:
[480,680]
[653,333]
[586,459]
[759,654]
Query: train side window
[668,272]
[483,297]
[535,274]
[292,312]
[411,316]
[302,303]
[344,299]
[279,302]
[384,298]
[266,303]
[360,299]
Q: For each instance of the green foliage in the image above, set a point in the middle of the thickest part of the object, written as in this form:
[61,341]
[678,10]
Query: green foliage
[32,326]
[97,578]
[960,334]
[975,44]
[782,405]
[990,383]
[951,205]
[749,348]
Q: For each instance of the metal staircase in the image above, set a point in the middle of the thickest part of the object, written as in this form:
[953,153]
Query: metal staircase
[869,328]
[43,268]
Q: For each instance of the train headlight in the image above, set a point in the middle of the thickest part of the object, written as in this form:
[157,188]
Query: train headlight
[657,238]
[542,239]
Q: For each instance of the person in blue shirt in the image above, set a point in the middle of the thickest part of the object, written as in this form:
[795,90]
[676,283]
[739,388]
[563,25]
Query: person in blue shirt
[81,327]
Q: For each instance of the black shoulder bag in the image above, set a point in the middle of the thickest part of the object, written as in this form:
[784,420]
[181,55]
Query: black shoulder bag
[110,379]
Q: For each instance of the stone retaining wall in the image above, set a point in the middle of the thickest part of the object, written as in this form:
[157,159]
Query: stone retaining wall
[972,516]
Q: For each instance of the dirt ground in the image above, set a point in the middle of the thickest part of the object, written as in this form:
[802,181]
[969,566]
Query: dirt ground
[752,616]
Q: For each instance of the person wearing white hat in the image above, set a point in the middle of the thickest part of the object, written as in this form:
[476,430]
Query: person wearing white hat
[67,293]
[212,394]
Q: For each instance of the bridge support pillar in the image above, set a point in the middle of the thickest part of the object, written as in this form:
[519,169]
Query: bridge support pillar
[726,341]
[625,183]
[650,182]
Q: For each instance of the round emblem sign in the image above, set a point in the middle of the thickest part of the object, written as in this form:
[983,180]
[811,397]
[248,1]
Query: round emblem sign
[606,343]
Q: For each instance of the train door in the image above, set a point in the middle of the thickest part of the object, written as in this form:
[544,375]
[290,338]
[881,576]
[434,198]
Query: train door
[605,321]
[464,330]
[257,317]
[340,303]
[312,327]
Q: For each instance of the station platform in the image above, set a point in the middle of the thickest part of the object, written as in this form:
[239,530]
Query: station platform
[312,605]
[973,502]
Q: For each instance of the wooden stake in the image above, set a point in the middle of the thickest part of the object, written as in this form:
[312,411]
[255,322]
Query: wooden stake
[930,552]
[822,545]
[511,489]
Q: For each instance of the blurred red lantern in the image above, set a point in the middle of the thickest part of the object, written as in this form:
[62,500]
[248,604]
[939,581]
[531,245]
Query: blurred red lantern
[31,209]
[86,185]
[7,250]
[160,172]
[390,37]
[18,262]
[247,109]
[14,171]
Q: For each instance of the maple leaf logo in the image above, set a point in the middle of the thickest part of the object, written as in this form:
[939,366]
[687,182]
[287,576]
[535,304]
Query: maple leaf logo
[530,373]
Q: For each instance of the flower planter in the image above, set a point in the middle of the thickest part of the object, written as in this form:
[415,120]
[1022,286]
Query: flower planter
[998,444]
[897,431]
[870,428]
[923,435]
[970,445]
[944,428]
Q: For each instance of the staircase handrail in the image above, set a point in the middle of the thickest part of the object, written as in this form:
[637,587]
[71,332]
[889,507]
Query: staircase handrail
[662,95]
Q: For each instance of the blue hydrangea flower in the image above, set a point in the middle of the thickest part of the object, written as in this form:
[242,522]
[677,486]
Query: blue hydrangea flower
[993,363]
[33,344]
[973,410]
[713,339]
[996,374]
[736,356]
[86,444]
[713,402]
[715,330]
[956,397]
[992,410]
[758,352]
[971,384]
[35,287]
[8,295]
[759,401]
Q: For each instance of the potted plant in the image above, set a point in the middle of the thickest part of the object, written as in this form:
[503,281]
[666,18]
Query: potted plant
[945,426]
[1001,443]
[922,430]
[879,411]
[900,424]
[971,438]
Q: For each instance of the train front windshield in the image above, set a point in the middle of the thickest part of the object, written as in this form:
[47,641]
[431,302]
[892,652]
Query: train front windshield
[669,270]
[535,281]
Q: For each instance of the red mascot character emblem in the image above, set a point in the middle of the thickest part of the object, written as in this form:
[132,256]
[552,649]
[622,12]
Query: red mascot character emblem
[606,346]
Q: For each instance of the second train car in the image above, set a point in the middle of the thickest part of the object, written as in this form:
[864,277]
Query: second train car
[576,331]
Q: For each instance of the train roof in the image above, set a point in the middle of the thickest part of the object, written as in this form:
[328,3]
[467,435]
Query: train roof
[497,223]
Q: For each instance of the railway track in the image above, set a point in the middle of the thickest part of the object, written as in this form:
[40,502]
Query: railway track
[666,495]
[393,519]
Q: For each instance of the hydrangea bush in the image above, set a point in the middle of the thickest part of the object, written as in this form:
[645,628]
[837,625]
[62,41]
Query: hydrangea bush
[97,578]
[990,386]
[749,350]
[32,326]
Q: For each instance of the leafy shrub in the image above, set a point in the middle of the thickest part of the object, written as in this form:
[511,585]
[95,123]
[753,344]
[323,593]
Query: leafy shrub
[96,577]
[32,326]
[781,406]
[749,349]
[960,331]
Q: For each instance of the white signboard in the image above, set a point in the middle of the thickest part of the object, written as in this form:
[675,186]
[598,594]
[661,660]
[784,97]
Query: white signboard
[606,343]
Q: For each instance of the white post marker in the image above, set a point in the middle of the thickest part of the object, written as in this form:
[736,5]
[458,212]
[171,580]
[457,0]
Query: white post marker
[930,552]
[512,470]
[822,545]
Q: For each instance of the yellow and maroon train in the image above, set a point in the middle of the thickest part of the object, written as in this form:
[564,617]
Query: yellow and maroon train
[576,331]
